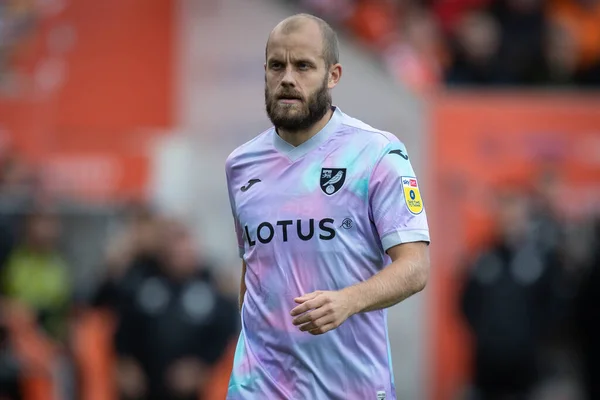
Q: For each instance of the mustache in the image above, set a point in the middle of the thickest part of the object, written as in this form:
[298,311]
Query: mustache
[288,95]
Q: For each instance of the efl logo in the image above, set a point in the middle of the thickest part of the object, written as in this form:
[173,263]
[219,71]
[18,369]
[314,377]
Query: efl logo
[412,196]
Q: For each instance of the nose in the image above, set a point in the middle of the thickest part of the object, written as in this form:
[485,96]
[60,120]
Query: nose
[288,80]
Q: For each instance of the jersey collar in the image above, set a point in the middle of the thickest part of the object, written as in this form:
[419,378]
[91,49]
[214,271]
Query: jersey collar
[296,152]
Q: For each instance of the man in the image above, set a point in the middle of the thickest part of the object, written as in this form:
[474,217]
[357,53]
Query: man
[36,274]
[174,325]
[321,203]
[511,302]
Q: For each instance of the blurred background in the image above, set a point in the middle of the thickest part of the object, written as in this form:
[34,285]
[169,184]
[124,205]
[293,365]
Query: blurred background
[118,268]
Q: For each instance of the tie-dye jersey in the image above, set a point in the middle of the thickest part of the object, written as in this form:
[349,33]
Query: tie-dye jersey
[319,216]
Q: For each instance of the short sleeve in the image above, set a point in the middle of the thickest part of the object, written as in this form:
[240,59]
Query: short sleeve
[395,204]
[238,227]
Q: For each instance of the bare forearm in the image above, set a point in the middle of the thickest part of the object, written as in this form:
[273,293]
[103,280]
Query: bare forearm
[401,279]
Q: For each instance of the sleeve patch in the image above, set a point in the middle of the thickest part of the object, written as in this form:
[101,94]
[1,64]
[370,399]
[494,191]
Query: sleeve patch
[412,195]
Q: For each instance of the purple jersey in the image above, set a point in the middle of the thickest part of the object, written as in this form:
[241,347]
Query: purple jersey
[318,216]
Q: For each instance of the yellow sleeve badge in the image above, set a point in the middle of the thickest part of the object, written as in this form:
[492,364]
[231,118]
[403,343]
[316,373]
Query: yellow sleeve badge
[412,196]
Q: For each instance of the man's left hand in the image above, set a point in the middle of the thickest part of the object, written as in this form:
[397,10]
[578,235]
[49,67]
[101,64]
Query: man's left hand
[322,311]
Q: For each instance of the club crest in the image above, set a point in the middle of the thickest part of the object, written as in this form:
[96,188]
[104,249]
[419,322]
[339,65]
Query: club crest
[332,180]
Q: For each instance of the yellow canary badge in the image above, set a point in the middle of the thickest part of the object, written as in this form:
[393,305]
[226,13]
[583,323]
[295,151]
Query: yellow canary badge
[412,196]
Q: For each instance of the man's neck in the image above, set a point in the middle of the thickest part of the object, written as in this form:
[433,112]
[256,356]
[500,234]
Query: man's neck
[299,137]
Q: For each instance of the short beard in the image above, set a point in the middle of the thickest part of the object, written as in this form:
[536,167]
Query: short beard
[318,105]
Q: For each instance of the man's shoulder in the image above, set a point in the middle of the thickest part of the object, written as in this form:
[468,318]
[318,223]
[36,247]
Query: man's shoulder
[252,148]
[357,130]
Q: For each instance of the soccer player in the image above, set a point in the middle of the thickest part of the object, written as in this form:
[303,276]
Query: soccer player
[331,229]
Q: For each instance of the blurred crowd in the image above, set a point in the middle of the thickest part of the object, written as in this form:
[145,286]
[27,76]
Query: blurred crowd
[530,299]
[428,43]
[157,325]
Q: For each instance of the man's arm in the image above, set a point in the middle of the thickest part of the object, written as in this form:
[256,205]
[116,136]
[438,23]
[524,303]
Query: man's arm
[322,311]
[242,285]
[405,276]
[397,212]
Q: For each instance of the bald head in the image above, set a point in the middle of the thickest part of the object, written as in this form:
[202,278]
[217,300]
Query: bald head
[301,21]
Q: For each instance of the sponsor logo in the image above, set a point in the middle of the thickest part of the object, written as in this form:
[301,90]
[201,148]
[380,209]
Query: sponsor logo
[400,153]
[412,195]
[284,230]
[250,183]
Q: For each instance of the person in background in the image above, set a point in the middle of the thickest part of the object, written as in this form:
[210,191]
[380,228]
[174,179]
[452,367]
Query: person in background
[509,304]
[36,285]
[17,188]
[587,312]
[174,325]
[560,55]
[547,219]
[135,247]
[523,27]
[474,47]
[10,368]
[581,19]
[36,275]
